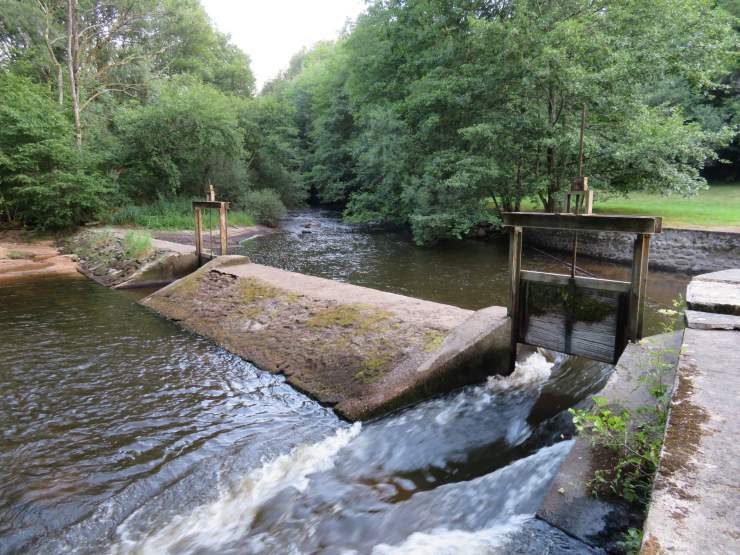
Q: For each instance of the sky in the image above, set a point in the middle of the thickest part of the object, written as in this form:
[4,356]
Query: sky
[271,31]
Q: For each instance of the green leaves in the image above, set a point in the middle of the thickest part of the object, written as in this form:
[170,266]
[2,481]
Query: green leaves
[429,110]
[45,182]
[177,142]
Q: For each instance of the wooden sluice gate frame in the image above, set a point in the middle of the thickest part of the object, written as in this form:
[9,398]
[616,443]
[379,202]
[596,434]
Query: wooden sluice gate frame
[618,305]
[210,204]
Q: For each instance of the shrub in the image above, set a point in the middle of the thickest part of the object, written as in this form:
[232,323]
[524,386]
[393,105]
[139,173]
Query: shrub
[265,206]
[137,244]
[45,182]
[168,214]
[185,134]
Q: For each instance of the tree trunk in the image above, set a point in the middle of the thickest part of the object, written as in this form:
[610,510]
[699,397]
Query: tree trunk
[552,186]
[52,56]
[72,62]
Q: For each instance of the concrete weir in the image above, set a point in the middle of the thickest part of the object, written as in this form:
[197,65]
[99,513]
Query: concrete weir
[362,351]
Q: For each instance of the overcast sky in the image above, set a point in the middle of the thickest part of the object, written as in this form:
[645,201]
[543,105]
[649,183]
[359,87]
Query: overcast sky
[271,31]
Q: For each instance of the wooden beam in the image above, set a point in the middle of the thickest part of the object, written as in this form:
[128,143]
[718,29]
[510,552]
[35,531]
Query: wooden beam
[580,281]
[574,222]
[638,286]
[209,204]
[515,268]
[198,234]
[223,230]
[644,263]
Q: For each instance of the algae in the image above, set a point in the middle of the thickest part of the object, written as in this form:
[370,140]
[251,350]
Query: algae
[357,316]
[433,340]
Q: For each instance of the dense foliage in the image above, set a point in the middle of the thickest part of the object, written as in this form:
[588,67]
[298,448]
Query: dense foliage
[440,114]
[431,114]
[112,102]
[44,181]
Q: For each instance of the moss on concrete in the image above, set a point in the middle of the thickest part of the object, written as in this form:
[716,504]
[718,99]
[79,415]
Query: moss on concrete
[338,352]
[433,340]
[360,317]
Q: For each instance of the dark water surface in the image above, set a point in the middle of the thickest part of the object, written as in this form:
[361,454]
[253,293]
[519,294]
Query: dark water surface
[122,433]
[471,274]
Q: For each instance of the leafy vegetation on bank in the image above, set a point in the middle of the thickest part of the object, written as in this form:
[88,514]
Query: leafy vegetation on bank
[438,115]
[137,244]
[265,206]
[168,214]
[123,103]
[428,114]
[634,438]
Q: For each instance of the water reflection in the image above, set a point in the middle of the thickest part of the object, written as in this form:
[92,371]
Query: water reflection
[471,274]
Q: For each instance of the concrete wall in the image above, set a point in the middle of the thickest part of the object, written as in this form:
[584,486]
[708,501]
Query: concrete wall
[680,250]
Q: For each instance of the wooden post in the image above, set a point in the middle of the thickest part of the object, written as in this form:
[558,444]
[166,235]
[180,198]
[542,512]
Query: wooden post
[638,286]
[198,235]
[222,225]
[643,283]
[515,269]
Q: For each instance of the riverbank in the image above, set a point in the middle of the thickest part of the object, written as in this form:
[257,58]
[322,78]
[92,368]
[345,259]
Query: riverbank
[24,256]
[236,234]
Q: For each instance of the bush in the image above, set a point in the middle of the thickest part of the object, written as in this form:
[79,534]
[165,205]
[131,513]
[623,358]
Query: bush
[137,244]
[265,206]
[168,214]
[45,182]
[186,134]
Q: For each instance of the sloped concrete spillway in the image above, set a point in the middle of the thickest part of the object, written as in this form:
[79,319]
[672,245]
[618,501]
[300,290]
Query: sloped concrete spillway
[364,352]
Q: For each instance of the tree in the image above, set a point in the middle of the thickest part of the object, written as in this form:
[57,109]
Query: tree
[440,115]
[186,135]
[45,182]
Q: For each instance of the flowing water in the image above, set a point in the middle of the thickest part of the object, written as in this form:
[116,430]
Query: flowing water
[122,433]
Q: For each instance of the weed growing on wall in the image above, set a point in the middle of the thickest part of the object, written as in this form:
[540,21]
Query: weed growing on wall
[633,437]
[137,245]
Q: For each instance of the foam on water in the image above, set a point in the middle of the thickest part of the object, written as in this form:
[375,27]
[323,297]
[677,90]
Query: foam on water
[230,516]
[533,371]
[488,541]
[428,434]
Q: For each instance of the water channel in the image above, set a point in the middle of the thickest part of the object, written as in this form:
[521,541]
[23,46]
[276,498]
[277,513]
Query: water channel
[122,433]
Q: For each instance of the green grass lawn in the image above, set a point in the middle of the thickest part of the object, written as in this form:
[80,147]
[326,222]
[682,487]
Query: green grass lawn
[171,214]
[717,207]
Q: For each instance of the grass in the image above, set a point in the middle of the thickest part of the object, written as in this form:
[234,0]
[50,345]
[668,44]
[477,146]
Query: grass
[137,244]
[176,214]
[20,255]
[717,207]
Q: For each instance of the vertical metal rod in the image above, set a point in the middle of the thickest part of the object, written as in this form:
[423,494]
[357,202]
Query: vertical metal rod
[578,197]
[580,142]
[573,260]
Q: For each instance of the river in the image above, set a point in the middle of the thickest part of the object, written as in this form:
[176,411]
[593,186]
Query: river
[123,433]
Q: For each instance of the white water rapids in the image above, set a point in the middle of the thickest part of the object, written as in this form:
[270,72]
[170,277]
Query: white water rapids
[470,516]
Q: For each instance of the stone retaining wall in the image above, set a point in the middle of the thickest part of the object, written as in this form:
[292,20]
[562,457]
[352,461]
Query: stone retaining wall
[679,250]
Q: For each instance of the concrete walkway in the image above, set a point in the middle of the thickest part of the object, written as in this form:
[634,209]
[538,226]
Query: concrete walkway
[695,507]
